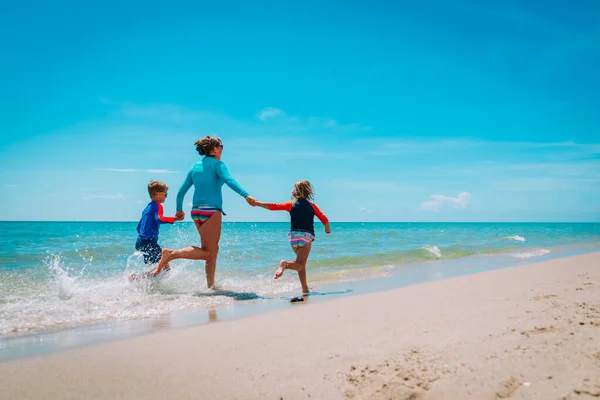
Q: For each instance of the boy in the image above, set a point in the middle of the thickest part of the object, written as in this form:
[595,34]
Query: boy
[152,217]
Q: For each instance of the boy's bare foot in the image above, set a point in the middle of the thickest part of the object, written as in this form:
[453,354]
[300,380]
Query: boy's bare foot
[164,261]
[282,267]
[136,276]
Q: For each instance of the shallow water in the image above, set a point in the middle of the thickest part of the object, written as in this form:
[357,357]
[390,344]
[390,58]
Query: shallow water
[62,274]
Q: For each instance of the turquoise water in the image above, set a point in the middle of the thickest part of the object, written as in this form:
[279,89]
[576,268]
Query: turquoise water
[65,274]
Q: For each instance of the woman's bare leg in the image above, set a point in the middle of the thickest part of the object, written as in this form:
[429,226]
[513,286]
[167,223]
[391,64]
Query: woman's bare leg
[210,234]
[189,253]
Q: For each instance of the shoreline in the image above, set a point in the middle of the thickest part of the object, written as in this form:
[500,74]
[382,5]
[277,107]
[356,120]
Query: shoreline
[530,331]
[343,222]
[64,338]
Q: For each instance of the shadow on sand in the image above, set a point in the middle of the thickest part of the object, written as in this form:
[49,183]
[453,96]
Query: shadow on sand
[239,296]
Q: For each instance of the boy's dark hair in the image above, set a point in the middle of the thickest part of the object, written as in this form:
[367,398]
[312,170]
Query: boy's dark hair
[206,145]
[303,190]
[156,186]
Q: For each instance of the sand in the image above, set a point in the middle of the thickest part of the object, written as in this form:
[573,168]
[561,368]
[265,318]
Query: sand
[527,332]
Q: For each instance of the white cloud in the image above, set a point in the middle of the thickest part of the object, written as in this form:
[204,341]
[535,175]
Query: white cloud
[269,112]
[412,144]
[438,201]
[117,196]
[152,171]
[370,186]
[548,184]
[116,169]
[161,171]
[176,117]
[139,202]
[161,111]
[365,210]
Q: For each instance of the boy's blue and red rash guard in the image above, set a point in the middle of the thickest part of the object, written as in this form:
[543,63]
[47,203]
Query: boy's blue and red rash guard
[152,217]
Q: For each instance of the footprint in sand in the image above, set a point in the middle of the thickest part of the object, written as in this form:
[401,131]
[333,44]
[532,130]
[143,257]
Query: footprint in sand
[543,297]
[509,388]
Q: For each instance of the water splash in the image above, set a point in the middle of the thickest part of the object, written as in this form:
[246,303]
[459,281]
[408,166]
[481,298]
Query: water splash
[63,283]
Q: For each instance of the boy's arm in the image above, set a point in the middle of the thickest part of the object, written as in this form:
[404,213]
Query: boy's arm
[319,214]
[162,219]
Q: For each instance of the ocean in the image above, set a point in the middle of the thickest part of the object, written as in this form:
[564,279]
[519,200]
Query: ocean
[58,275]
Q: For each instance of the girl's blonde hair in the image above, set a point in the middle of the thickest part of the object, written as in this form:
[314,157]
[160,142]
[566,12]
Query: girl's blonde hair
[303,190]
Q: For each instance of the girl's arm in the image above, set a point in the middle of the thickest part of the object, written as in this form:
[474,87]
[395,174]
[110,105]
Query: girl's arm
[276,206]
[261,204]
[319,214]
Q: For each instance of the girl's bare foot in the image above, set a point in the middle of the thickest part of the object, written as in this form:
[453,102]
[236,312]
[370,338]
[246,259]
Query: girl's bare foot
[282,267]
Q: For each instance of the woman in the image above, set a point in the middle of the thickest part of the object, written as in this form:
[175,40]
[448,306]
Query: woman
[207,176]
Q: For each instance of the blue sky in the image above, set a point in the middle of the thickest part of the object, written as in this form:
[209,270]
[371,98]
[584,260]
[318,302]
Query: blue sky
[441,110]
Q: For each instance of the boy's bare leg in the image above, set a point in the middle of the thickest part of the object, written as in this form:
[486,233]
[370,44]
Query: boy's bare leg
[210,234]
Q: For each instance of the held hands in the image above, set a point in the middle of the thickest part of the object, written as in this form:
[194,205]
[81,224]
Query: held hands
[251,201]
[179,216]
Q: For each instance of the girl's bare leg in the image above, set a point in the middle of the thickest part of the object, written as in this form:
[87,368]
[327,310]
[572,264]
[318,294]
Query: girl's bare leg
[299,265]
[302,276]
[210,234]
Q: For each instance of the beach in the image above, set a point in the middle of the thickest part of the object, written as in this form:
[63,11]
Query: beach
[525,332]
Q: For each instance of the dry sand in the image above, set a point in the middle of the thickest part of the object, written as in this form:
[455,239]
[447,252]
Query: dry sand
[528,332]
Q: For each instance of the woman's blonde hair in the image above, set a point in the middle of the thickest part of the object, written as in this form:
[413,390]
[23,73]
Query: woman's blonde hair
[206,145]
[303,190]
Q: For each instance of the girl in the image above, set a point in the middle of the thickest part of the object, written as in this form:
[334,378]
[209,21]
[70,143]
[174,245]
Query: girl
[302,232]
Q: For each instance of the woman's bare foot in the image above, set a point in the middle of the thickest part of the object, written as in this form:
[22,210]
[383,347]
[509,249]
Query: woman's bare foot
[282,267]
[164,261]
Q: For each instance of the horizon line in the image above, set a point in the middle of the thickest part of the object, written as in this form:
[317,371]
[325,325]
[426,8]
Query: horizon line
[344,222]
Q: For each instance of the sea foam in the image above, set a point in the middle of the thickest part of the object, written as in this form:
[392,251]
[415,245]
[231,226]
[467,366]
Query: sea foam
[532,253]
